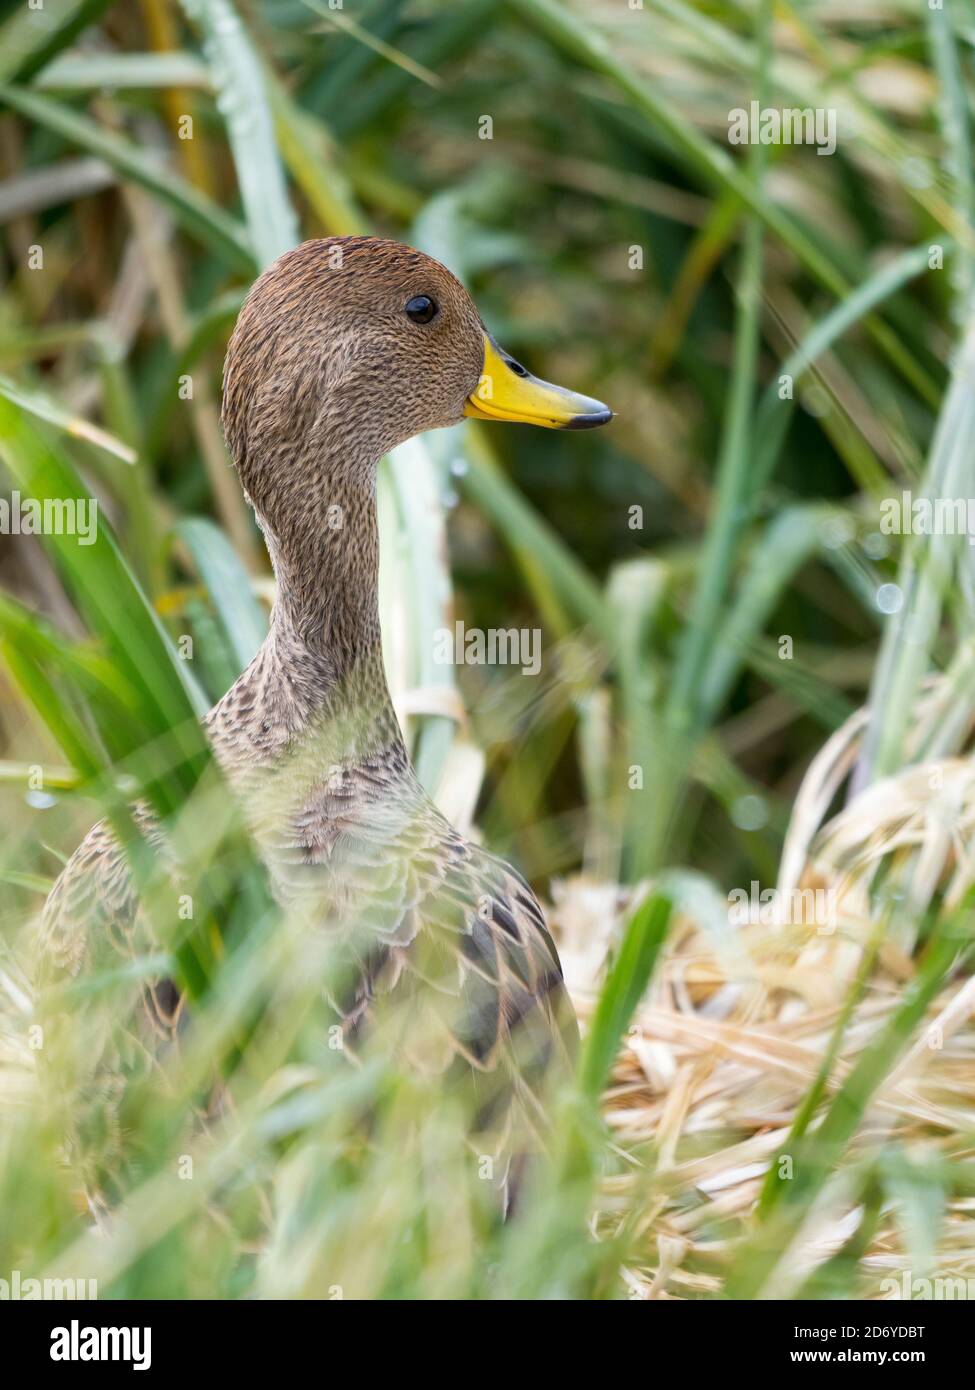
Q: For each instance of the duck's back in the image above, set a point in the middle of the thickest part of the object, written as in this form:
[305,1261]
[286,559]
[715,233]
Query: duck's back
[451,968]
[352,840]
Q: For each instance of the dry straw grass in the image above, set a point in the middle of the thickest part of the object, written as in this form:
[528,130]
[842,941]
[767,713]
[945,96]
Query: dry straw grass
[736,1025]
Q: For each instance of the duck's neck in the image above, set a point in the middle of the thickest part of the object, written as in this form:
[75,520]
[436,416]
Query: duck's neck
[326,559]
[320,672]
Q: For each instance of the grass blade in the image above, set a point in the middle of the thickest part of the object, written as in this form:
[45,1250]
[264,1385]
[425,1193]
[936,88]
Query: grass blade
[684,711]
[197,214]
[40,405]
[113,605]
[239,82]
[228,584]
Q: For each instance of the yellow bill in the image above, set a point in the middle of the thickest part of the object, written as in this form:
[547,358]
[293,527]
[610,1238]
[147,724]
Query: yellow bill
[506,391]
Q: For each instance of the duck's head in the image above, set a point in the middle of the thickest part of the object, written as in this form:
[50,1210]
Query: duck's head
[355,344]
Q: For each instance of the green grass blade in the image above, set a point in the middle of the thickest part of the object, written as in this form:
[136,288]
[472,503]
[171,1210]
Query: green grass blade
[788,543]
[684,711]
[37,33]
[313,162]
[39,404]
[774,413]
[625,985]
[924,579]
[239,82]
[96,72]
[953,108]
[229,586]
[535,544]
[196,213]
[111,602]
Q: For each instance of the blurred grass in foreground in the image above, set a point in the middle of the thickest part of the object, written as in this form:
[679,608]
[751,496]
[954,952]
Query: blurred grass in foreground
[790,1110]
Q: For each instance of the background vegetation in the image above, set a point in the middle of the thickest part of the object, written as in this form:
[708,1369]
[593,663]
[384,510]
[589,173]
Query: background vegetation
[790,1111]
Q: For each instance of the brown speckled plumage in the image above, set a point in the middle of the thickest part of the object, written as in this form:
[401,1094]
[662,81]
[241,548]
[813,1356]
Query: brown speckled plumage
[324,375]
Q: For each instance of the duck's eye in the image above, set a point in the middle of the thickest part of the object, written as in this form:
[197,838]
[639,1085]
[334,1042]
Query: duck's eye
[420,308]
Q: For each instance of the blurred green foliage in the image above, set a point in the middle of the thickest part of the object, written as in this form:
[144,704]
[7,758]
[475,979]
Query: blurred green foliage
[616,242]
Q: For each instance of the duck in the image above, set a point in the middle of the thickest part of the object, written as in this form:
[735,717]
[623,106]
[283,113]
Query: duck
[344,348]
